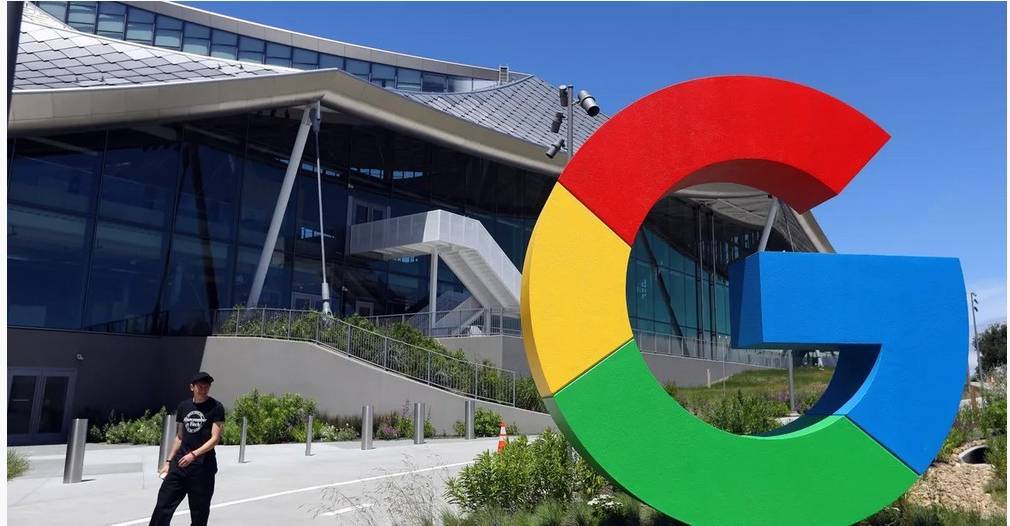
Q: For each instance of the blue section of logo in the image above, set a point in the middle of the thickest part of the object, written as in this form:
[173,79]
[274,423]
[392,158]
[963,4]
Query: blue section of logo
[899,323]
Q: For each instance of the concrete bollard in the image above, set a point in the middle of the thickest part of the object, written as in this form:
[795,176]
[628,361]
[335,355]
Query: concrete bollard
[168,434]
[418,422]
[308,436]
[469,412]
[241,444]
[73,466]
[366,428]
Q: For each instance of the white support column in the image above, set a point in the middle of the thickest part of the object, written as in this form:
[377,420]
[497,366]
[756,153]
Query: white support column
[773,209]
[282,203]
[432,292]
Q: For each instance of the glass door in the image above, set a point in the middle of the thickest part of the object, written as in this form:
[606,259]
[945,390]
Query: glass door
[39,404]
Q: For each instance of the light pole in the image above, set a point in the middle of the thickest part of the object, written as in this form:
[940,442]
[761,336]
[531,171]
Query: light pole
[316,116]
[978,357]
[567,100]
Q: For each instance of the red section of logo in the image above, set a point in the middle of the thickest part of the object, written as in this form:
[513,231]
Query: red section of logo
[791,141]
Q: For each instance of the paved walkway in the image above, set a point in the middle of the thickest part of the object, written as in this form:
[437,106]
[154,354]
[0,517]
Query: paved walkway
[278,484]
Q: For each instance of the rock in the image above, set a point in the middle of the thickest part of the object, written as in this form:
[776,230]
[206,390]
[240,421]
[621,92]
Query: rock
[953,484]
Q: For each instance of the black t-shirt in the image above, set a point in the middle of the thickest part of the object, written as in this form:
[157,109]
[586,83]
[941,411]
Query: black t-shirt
[196,421]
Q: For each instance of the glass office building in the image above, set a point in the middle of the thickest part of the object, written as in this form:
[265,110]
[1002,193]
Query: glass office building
[148,145]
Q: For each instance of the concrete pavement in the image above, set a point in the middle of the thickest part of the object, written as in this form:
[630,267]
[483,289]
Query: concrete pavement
[396,482]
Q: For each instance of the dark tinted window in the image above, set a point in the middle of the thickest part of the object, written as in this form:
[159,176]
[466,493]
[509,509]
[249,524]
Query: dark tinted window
[59,171]
[45,268]
[141,175]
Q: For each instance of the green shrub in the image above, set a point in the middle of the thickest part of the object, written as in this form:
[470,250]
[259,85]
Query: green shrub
[744,414]
[387,432]
[524,475]
[527,396]
[902,513]
[143,430]
[272,419]
[459,428]
[486,423]
[96,433]
[996,455]
[16,464]
[964,429]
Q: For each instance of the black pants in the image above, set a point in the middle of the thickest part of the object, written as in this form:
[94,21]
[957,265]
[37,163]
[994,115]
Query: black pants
[195,481]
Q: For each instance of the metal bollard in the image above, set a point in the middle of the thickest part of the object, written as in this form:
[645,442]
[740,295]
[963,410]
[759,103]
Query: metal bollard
[418,422]
[366,427]
[73,467]
[241,444]
[469,409]
[168,434]
[308,437]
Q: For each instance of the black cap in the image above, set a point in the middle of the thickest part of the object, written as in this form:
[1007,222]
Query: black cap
[202,377]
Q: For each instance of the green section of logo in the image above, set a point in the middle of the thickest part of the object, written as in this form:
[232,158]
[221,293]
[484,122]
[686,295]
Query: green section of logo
[816,471]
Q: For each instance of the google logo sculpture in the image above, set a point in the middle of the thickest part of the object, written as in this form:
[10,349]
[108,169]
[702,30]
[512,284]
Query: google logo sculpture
[900,323]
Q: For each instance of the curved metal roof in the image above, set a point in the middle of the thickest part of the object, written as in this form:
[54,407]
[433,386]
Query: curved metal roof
[67,79]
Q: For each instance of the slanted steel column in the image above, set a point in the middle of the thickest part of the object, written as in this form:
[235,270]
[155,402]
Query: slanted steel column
[282,204]
[432,292]
[767,232]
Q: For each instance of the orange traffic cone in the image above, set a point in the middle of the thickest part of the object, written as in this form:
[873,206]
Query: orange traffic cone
[502,437]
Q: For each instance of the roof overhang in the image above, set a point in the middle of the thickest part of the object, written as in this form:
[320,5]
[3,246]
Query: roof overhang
[38,111]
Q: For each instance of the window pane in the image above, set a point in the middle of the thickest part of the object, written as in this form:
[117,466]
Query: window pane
[19,404]
[250,44]
[56,9]
[114,24]
[219,51]
[278,50]
[433,82]
[250,56]
[140,32]
[330,61]
[54,402]
[261,185]
[82,27]
[167,22]
[196,30]
[276,287]
[208,195]
[481,83]
[168,38]
[140,176]
[198,46]
[112,8]
[224,38]
[410,160]
[358,68]
[45,268]
[197,282]
[408,79]
[59,172]
[277,61]
[458,84]
[367,155]
[304,57]
[126,268]
[141,16]
[82,12]
[382,71]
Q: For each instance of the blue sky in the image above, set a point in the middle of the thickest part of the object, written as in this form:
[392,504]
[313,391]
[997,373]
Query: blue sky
[932,74]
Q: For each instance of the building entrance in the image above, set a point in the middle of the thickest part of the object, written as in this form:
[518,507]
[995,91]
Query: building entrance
[39,404]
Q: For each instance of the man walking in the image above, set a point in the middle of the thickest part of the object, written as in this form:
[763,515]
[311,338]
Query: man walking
[190,467]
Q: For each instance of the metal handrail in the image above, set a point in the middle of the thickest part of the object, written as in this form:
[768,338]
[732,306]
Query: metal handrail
[718,350]
[434,368]
[457,322]
[494,322]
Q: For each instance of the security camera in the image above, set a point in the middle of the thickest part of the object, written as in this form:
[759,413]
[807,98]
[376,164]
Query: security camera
[556,123]
[588,103]
[563,95]
[553,149]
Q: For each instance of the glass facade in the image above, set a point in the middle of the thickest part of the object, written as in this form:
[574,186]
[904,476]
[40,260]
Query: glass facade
[170,220]
[119,21]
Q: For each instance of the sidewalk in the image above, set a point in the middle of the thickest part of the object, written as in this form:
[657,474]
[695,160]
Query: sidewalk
[338,484]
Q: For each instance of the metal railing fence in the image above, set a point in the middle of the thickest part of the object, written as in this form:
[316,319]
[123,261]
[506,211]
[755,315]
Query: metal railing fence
[437,369]
[718,350]
[457,322]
